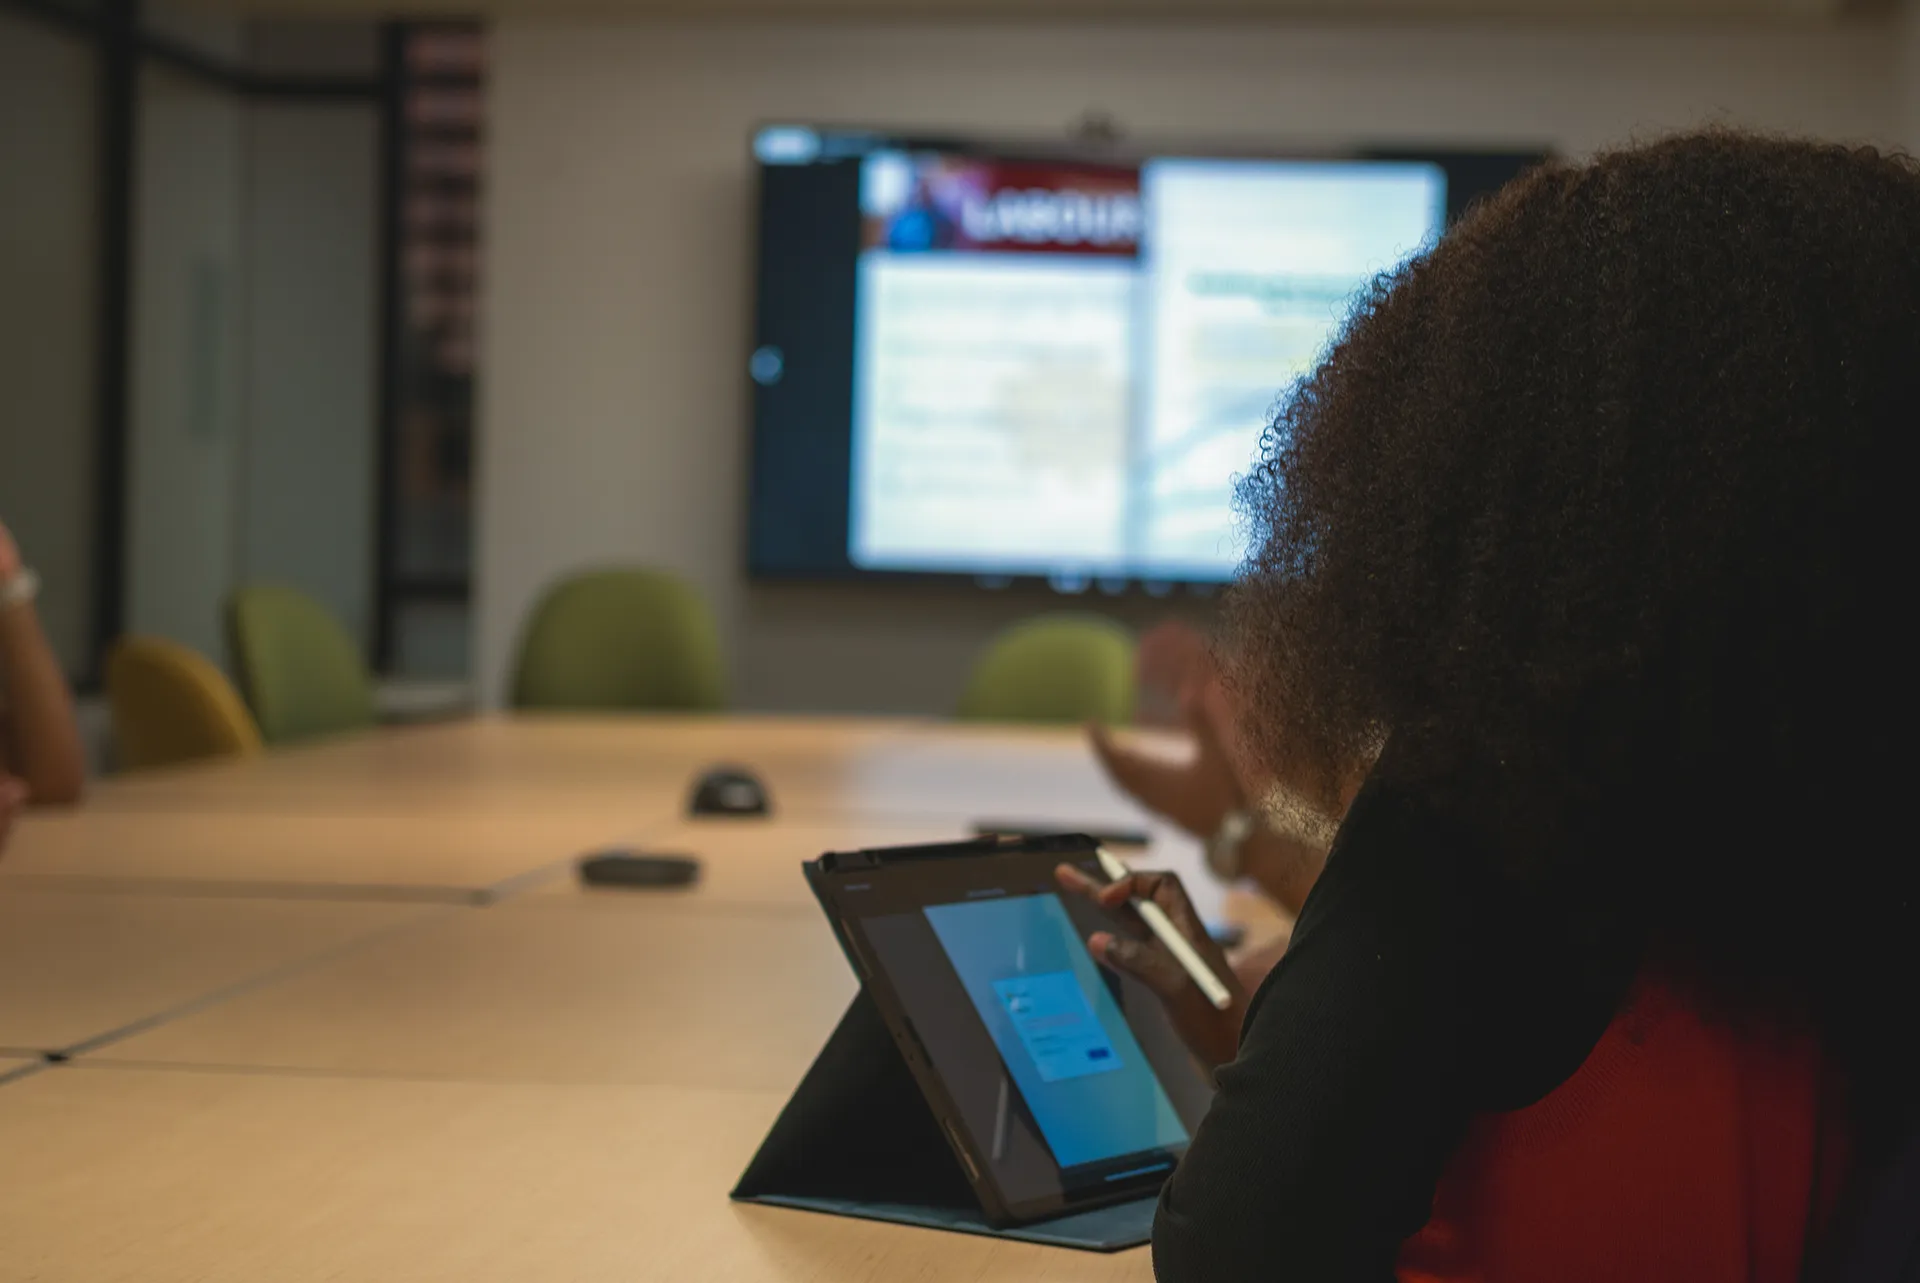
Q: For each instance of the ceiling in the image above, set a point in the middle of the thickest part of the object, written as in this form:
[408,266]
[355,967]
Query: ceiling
[1743,11]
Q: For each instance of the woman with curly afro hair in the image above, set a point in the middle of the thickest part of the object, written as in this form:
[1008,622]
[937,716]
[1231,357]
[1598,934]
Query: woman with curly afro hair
[1585,548]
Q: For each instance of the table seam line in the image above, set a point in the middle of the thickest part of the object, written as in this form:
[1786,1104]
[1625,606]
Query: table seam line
[272,975]
[238,889]
[217,1068]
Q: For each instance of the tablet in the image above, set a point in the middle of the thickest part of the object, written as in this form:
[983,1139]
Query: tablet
[1059,1085]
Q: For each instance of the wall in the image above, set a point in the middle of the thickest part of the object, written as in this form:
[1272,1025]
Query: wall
[252,438]
[185,421]
[48,231]
[312,216]
[618,246]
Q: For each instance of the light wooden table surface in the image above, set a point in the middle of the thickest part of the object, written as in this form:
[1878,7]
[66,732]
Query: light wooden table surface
[137,1175]
[747,862]
[75,967]
[452,857]
[345,1013]
[639,766]
[664,993]
[643,767]
[454,811]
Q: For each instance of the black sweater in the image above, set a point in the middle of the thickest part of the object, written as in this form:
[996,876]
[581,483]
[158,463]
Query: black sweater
[1419,989]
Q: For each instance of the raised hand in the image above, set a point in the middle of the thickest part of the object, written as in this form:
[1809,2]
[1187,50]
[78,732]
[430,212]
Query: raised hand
[1195,793]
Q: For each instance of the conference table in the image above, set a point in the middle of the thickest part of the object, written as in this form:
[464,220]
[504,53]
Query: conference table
[345,1012]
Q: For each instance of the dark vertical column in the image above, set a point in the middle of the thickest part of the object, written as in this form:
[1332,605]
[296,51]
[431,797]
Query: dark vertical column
[392,329]
[119,121]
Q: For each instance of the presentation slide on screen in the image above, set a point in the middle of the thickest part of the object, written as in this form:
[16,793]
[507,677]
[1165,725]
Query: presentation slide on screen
[1062,369]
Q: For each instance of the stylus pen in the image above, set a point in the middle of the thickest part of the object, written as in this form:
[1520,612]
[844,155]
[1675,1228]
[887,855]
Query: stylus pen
[1162,926]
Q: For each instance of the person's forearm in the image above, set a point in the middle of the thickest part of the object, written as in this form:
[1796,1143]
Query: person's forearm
[43,741]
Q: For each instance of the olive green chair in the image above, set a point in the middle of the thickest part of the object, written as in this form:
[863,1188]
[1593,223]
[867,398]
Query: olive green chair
[620,639]
[1054,668]
[171,704]
[302,676]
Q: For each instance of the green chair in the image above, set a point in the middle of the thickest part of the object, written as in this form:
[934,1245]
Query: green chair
[300,672]
[620,639]
[1054,668]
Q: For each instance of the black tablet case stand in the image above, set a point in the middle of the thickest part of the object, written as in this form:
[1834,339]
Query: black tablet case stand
[857,1139]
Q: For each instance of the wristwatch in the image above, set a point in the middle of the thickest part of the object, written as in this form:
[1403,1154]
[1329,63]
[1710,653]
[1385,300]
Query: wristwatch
[1227,847]
[22,588]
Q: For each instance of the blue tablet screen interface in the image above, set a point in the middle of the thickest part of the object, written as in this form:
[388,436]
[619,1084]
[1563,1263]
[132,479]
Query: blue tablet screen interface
[1061,1035]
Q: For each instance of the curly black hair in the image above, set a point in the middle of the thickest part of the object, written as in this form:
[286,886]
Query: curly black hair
[1593,515]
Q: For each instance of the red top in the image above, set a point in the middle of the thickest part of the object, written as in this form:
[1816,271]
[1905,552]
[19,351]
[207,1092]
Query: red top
[1723,1151]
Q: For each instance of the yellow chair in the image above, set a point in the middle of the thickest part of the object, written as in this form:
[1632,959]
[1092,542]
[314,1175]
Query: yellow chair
[170,704]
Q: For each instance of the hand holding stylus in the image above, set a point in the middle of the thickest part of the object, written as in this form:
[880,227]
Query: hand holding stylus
[1169,935]
[1212,1032]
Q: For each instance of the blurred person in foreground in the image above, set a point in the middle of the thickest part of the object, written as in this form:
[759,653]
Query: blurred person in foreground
[1584,552]
[40,754]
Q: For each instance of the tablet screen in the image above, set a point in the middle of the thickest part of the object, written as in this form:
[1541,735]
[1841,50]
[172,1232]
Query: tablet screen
[1059,1031]
[1067,1078]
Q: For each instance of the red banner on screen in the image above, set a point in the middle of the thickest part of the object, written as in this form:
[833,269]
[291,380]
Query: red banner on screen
[933,203]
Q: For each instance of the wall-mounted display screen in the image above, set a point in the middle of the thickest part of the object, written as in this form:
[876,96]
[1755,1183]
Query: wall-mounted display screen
[981,362]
